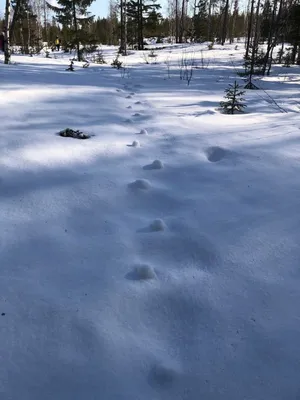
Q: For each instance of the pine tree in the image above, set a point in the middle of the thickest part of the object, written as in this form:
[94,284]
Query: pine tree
[24,25]
[232,22]
[234,100]
[139,12]
[293,34]
[201,21]
[225,22]
[266,23]
[74,14]
[152,24]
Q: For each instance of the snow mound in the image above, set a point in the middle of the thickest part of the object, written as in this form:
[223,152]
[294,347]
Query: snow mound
[142,272]
[129,97]
[156,164]
[215,153]
[136,115]
[138,103]
[132,94]
[162,375]
[129,107]
[128,121]
[143,132]
[140,184]
[157,225]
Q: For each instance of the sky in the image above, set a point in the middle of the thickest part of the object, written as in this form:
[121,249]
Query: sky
[98,8]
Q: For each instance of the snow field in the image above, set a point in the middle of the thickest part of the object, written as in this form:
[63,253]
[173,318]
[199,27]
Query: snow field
[185,286]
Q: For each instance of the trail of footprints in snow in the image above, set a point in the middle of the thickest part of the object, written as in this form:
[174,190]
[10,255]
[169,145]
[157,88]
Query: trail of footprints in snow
[130,96]
[160,375]
[145,272]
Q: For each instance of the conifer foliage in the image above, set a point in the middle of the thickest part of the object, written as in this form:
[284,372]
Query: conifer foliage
[74,14]
[234,101]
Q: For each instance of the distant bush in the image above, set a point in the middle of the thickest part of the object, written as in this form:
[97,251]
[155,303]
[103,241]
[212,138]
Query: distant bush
[99,58]
[117,63]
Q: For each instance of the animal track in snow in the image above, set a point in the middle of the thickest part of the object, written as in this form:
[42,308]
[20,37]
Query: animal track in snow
[135,143]
[207,112]
[143,132]
[142,272]
[156,164]
[140,184]
[215,153]
[162,375]
[157,225]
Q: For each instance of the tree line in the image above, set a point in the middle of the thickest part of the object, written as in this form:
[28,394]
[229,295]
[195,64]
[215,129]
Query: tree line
[265,25]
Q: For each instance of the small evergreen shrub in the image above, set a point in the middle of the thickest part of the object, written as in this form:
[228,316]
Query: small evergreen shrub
[234,101]
[117,63]
[71,66]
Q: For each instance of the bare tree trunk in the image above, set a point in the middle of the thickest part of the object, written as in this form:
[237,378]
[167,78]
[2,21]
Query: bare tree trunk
[246,23]
[123,32]
[22,39]
[172,18]
[182,21]
[45,20]
[122,26]
[270,38]
[141,25]
[225,20]
[250,85]
[298,56]
[29,33]
[6,33]
[194,20]
[233,21]
[249,29]
[125,29]
[255,39]
[274,37]
[281,52]
[176,21]
[76,31]
[277,33]
[15,18]
[37,26]
[112,19]
[209,20]
[294,53]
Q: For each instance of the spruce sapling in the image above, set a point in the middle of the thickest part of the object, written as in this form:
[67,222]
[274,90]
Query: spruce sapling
[234,101]
[71,66]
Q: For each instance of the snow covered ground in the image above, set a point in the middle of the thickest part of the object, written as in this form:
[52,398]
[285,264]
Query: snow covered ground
[127,279]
